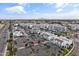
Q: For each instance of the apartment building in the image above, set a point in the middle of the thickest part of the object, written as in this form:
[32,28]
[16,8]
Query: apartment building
[58,40]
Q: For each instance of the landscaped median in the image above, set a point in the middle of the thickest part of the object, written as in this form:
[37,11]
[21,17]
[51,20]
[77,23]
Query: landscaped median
[66,51]
[71,50]
[11,50]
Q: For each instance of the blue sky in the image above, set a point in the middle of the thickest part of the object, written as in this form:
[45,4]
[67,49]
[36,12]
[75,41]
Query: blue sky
[39,10]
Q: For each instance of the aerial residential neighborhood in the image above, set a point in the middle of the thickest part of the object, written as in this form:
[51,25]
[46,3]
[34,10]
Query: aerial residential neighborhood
[39,38]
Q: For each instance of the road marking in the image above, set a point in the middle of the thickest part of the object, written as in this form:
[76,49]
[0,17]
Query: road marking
[5,50]
[21,48]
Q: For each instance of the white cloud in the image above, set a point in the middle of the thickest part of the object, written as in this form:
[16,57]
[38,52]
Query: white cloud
[21,4]
[34,10]
[58,5]
[61,5]
[75,11]
[74,14]
[59,10]
[16,9]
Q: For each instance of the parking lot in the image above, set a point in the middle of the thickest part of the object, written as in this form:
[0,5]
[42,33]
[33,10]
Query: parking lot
[37,49]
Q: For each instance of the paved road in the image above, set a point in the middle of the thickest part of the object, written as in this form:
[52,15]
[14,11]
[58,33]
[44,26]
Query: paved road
[76,49]
[3,39]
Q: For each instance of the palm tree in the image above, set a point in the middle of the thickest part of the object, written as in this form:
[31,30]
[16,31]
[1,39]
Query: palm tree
[37,50]
[10,40]
[39,41]
[15,42]
[9,47]
[14,51]
[26,45]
